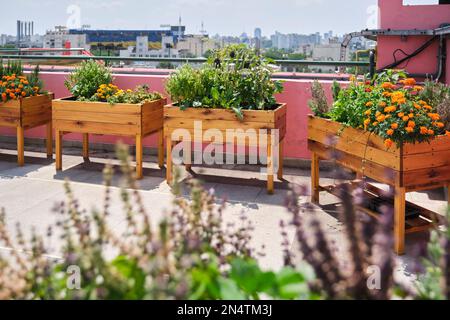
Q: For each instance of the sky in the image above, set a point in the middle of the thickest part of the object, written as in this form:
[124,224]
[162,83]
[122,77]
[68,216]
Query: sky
[226,17]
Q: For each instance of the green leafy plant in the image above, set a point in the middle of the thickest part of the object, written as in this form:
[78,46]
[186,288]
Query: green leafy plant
[84,82]
[234,78]
[393,110]
[12,67]
[319,103]
[434,284]
[438,94]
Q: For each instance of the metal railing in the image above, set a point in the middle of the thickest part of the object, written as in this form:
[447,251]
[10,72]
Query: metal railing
[175,60]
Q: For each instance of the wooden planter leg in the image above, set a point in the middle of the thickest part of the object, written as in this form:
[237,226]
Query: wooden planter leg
[399,220]
[86,146]
[169,160]
[20,147]
[315,178]
[280,159]
[58,150]
[161,148]
[49,140]
[270,185]
[139,155]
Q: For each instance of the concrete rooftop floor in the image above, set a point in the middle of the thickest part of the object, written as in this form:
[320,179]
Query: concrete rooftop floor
[29,193]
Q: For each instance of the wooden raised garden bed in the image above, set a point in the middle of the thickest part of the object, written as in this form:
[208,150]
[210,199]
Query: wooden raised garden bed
[221,120]
[136,120]
[412,167]
[27,113]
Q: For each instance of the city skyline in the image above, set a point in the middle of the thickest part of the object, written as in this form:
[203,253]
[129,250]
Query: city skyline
[295,16]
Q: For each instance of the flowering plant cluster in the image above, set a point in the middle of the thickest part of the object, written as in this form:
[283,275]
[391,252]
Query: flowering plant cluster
[112,94]
[93,82]
[391,107]
[14,87]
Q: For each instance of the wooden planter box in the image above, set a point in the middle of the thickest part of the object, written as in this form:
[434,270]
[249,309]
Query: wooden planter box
[411,167]
[28,113]
[221,120]
[137,120]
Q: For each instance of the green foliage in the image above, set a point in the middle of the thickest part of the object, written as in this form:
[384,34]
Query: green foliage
[234,78]
[319,103]
[438,94]
[434,283]
[189,254]
[84,82]
[34,79]
[12,67]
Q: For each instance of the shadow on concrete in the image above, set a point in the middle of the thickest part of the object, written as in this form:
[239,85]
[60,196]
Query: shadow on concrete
[9,166]
[92,173]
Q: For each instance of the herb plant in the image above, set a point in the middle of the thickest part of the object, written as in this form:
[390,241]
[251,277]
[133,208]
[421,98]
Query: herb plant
[84,82]
[234,78]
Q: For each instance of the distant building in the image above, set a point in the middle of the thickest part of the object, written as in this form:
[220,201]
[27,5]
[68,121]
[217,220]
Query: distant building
[293,41]
[196,45]
[3,39]
[258,33]
[122,39]
[328,52]
[143,49]
[59,37]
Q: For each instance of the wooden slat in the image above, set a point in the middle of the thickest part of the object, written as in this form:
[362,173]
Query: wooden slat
[207,124]
[368,168]
[96,127]
[98,107]
[440,143]
[89,116]
[357,149]
[426,160]
[264,116]
[352,135]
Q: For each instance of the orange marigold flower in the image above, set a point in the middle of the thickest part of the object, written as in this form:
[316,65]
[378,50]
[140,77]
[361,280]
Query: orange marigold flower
[23,93]
[418,88]
[423,130]
[401,114]
[390,132]
[408,82]
[369,104]
[411,124]
[382,104]
[447,133]
[417,106]
[422,102]
[439,125]
[428,107]
[368,112]
[390,109]
[409,129]
[375,124]
[411,115]
[387,85]
[381,118]
[434,116]
[431,132]
[388,143]
[394,126]
[405,118]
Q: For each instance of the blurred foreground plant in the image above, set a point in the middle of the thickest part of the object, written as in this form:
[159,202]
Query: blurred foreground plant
[190,254]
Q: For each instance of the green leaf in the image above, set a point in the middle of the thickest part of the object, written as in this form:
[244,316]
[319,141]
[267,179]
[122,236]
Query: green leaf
[229,290]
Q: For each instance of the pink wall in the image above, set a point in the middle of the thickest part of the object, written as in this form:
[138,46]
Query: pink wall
[296,95]
[393,15]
